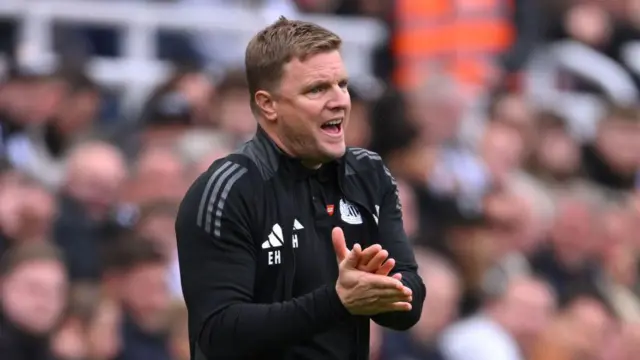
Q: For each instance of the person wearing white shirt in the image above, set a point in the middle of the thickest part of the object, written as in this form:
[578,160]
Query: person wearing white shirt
[505,327]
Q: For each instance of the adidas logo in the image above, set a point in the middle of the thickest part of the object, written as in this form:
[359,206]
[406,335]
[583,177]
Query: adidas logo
[274,239]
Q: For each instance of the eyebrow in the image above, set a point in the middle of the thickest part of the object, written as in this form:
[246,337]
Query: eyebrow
[314,83]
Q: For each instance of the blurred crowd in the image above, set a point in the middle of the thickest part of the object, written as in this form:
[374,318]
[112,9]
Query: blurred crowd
[512,127]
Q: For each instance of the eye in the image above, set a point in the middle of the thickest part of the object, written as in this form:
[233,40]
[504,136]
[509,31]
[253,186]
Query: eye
[343,84]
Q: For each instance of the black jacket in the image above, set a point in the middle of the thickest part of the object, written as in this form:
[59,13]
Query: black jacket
[239,306]
[16,344]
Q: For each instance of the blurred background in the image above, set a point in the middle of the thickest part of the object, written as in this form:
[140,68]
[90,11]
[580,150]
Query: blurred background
[512,127]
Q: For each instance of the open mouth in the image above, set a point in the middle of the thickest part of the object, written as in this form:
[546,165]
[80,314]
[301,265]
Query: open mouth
[333,127]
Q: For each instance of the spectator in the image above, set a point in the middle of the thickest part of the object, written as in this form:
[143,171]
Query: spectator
[156,223]
[230,109]
[34,287]
[158,173]
[144,295]
[612,160]
[439,311]
[580,332]
[569,261]
[92,184]
[498,331]
[179,332]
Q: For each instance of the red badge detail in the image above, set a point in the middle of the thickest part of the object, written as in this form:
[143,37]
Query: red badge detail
[330,209]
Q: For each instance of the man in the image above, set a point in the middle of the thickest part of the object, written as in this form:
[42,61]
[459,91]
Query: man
[139,270]
[34,285]
[94,176]
[259,233]
[498,331]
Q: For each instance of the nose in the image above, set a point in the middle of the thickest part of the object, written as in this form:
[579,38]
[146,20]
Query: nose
[340,99]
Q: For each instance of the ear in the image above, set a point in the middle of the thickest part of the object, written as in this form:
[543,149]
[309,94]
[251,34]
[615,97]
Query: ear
[267,104]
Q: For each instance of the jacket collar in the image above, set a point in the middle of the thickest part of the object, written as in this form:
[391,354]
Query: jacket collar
[286,162]
[346,166]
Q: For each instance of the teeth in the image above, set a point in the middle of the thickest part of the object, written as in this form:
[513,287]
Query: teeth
[334,122]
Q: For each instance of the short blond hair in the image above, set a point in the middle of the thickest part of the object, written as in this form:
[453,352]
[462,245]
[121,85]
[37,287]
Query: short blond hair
[277,44]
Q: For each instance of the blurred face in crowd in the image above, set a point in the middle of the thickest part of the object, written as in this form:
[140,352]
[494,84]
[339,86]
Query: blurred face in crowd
[588,23]
[358,134]
[511,218]
[26,210]
[145,294]
[513,110]
[77,112]
[502,150]
[616,228]
[159,228]
[618,141]
[95,176]
[436,113]
[572,234]
[526,309]
[311,108]
[196,87]
[441,304]
[45,97]
[590,320]
[234,115]
[557,153]
[13,102]
[34,295]
[159,174]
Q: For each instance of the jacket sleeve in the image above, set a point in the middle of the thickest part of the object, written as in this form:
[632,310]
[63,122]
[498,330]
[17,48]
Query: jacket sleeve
[393,238]
[218,264]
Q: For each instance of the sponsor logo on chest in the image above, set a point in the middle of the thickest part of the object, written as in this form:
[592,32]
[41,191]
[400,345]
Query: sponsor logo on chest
[275,242]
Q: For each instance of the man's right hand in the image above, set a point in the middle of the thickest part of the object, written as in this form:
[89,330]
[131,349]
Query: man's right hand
[364,293]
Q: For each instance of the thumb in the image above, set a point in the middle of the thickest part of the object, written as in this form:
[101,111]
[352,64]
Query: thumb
[339,244]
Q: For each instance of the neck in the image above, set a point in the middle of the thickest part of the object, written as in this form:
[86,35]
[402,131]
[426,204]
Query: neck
[288,149]
[498,317]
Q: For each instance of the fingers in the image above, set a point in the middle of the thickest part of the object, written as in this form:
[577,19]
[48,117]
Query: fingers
[353,257]
[386,268]
[382,282]
[397,306]
[397,276]
[375,261]
[394,295]
[339,244]
[368,254]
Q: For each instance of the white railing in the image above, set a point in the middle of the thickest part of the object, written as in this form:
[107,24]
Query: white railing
[137,70]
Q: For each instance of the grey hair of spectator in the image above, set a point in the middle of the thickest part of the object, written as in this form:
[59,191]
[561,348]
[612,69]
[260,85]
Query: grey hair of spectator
[81,155]
[500,287]
[541,202]
[193,145]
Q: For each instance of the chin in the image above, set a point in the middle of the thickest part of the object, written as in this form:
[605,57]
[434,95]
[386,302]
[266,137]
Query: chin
[334,151]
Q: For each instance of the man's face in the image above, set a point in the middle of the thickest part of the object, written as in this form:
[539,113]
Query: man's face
[618,142]
[312,107]
[34,295]
[146,295]
[160,229]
